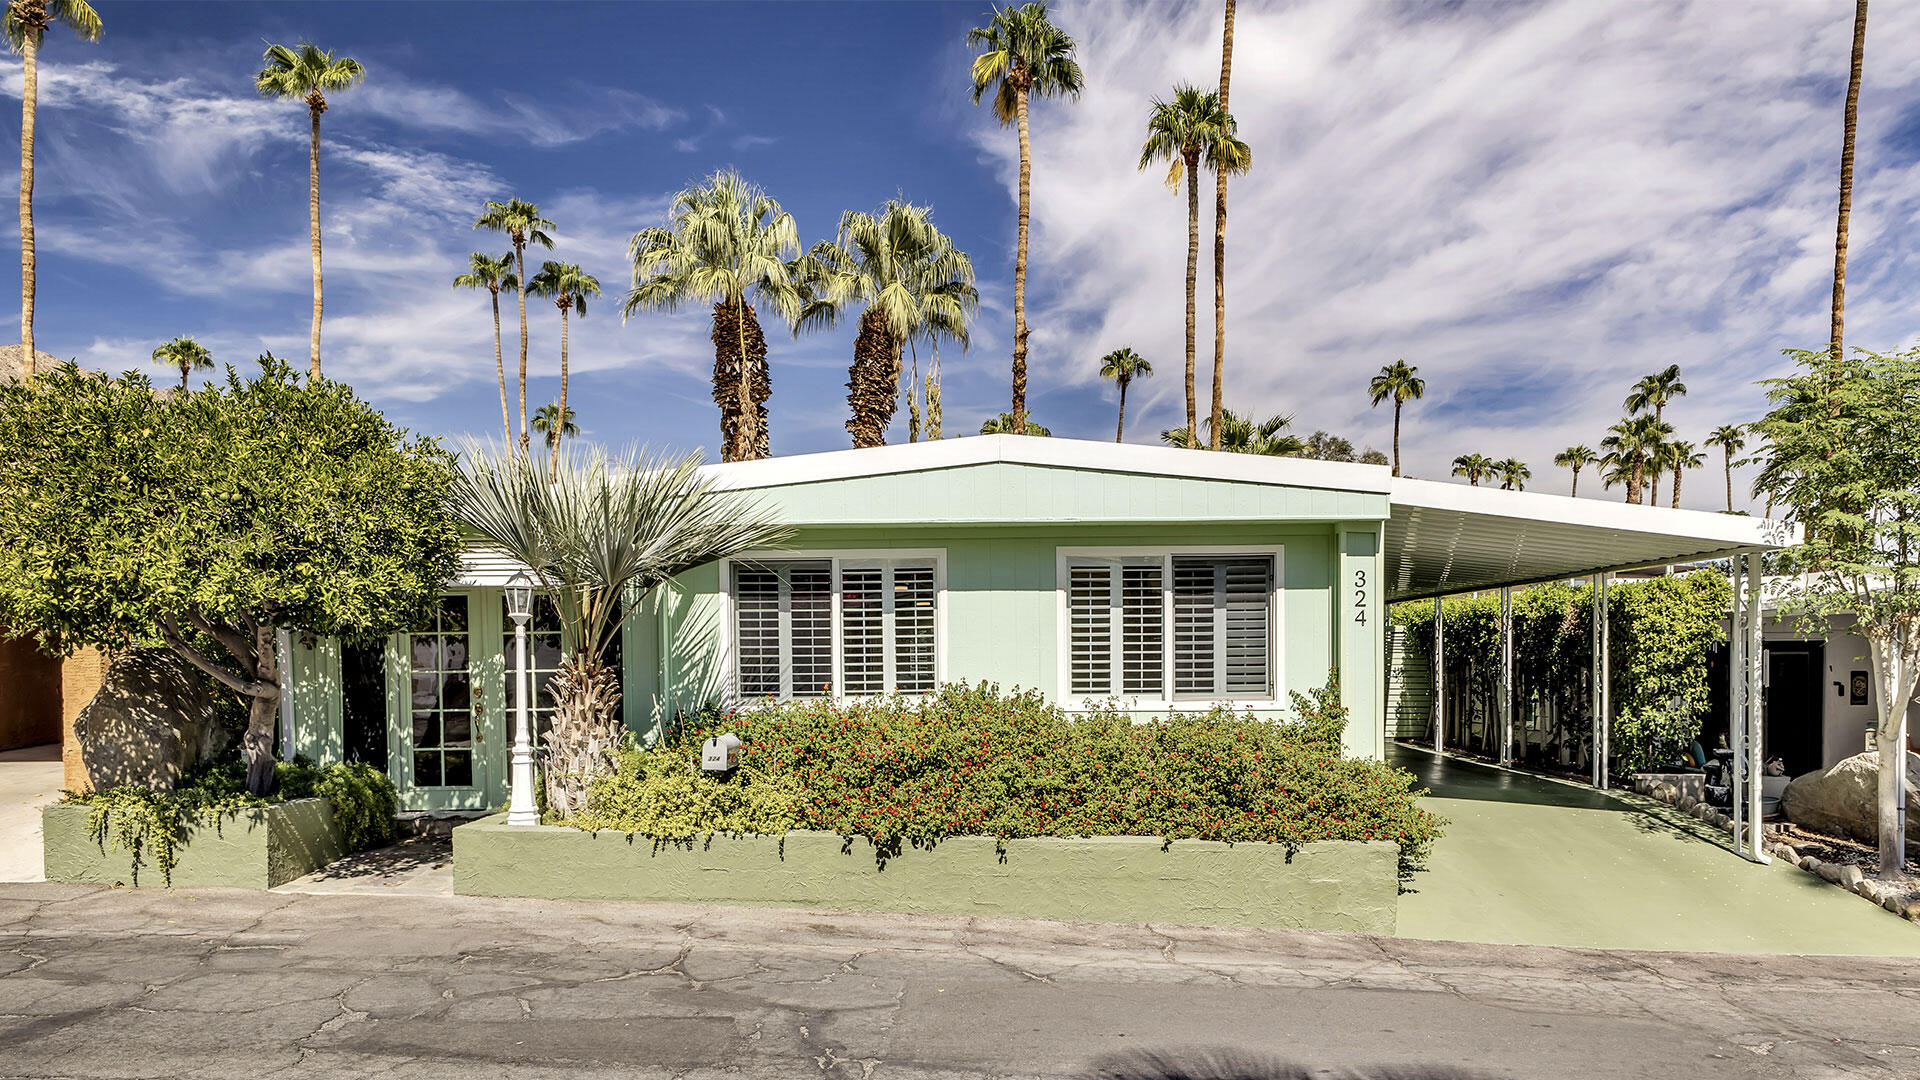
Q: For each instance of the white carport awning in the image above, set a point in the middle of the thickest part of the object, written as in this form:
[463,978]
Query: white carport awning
[1447,538]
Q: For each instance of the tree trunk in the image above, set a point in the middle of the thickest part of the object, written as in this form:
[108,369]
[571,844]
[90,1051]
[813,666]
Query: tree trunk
[1193,269]
[1653,486]
[1020,267]
[520,263]
[1396,407]
[1890,656]
[1836,334]
[1729,480]
[1120,429]
[263,716]
[1220,256]
[872,381]
[560,427]
[586,729]
[1575,493]
[29,106]
[933,395]
[739,390]
[1636,478]
[313,218]
[500,372]
[1676,487]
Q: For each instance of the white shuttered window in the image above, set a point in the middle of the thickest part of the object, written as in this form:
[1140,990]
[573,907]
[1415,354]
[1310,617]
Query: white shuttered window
[1195,627]
[795,623]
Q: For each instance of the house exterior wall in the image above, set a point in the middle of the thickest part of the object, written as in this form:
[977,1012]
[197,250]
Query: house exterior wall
[29,694]
[1843,725]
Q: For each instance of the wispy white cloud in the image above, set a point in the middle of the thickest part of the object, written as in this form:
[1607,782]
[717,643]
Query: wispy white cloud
[591,111]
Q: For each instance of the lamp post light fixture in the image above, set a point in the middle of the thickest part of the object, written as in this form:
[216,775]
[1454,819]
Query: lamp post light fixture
[520,807]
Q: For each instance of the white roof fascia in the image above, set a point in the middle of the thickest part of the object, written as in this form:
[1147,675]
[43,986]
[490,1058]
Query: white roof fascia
[1722,531]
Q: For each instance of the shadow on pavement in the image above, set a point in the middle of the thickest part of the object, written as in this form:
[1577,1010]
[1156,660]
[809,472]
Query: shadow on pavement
[1240,1065]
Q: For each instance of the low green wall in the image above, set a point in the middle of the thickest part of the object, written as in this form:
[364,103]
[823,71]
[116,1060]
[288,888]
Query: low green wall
[254,849]
[1324,886]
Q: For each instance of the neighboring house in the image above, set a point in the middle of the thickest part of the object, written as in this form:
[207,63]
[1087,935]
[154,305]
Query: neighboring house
[1169,579]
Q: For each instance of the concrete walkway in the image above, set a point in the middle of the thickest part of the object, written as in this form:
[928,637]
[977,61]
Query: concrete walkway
[29,779]
[1533,861]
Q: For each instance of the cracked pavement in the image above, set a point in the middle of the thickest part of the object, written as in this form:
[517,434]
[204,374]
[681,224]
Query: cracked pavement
[225,983]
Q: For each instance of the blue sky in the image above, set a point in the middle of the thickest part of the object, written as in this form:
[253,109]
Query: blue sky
[1534,203]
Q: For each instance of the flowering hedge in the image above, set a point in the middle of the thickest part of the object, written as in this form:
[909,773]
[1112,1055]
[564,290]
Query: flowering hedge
[970,760]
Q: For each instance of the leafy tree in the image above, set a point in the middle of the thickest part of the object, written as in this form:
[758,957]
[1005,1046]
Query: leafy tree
[208,522]
[1841,453]
[1475,467]
[1003,425]
[1246,435]
[521,222]
[493,275]
[1731,439]
[729,244]
[1575,458]
[1220,237]
[1123,366]
[1513,474]
[913,282]
[308,75]
[1370,456]
[547,420]
[568,287]
[1402,384]
[1191,127]
[26,23]
[185,354]
[1022,54]
[1326,446]
[599,533]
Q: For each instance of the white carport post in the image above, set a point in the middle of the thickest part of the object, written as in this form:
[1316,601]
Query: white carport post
[1600,692]
[1506,675]
[1439,678]
[1756,700]
[1743,700]
[1737,700]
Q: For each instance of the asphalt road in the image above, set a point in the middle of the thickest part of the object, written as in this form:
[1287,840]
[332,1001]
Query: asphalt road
[218,983]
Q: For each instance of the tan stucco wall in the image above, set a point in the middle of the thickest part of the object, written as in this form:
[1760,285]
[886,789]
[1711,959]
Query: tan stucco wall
[29,695]
[80,678]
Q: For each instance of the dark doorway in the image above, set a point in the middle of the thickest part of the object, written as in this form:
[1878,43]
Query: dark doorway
[1795,717]
[363,719]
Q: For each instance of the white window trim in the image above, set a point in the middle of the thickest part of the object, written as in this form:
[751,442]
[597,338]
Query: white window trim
[1063,620]
[854,557]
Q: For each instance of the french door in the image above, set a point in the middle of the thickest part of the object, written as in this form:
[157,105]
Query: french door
[446,706]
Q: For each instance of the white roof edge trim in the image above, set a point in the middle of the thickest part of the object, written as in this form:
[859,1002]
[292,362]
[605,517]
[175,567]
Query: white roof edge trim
[1728,530]
[1056,453]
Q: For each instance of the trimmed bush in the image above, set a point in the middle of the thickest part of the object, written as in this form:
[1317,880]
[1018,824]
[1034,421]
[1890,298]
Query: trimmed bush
[663,794]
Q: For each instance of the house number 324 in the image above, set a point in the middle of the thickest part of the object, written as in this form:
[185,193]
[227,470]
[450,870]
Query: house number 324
[1360,597]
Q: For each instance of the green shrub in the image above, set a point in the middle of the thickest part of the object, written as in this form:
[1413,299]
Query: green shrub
[663,794]
[970,760]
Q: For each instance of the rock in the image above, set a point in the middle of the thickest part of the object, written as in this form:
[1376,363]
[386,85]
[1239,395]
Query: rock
[1894,902]
[1808,863]
[1867,889]
[154,718]
[1829,871]
[1664,791]
[1687,804]
[1850,876]
[1841,801]
[1912,911]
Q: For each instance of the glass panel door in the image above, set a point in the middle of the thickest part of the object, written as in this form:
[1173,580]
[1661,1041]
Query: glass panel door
[444,704]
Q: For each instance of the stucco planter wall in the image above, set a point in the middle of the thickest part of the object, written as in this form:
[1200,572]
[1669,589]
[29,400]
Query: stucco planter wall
[1324,886]
[255,849]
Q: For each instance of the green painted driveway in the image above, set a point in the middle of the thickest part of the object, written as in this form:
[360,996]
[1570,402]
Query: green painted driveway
[1527,861]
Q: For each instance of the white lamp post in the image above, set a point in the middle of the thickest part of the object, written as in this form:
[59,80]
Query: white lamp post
[520,807]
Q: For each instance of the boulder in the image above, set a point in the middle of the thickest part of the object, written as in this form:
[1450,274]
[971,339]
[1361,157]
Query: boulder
[155,717]
[1842,800]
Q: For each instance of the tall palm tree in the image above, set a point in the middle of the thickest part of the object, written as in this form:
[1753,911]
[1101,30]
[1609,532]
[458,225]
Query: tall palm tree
[308,75]
[727,243]
[493,275]
[1475,467]
[1513,474]
[520,220]
[1402,384]
[1246,435]
[1184,130]
[1022,55]
[1003,425]
[1629,444]
[913,282]
[568,287]
[555,421]
[1575,458]
[185,354]
[1220,243]
[1123,366]
[1655,391]
[1851,124]
[1681,456]
[1731,439]
[26,23]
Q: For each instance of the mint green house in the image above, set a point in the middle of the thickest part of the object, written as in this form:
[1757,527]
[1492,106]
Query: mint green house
[1167,579]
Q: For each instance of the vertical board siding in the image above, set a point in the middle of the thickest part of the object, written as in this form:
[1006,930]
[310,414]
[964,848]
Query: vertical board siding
[1409,688]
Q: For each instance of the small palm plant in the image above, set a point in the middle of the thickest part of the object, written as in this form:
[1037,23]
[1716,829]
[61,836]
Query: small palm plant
[308,75]
[1513,474]
[554,425]
[493,275]
[599,532]
[184,353]
[1475,467]
[1575,458]
[1401,384]
[568,287]
[1123,366]
[1731,439]
[1003,425]
[520,220]
[1246,435]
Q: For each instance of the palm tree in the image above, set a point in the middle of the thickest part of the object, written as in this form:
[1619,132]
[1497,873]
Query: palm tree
[1123,366]
[1513,474]
[1220,240]
[568,287]
[727,243]
[26,23]
[913,281]
[185,354]
[1184,130]
[1575,458]
[493,275]
[520,220]
[1681,456]
[1655,390]
[1402,384]
[547,420]
[1851,125]
[1022,54]
[308,75]
[1003,425]
[1629,444]
[1245,435]
[1475,467]
[1731,439]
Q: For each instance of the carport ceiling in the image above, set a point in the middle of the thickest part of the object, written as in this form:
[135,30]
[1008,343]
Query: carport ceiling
[1447,538]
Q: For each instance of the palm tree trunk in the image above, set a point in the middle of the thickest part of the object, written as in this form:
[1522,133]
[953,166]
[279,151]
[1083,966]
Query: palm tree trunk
[1837,332]
[500,372]
[1396,401]
[1575,493]
[520,262]
[1193,268]
[553,461]
[1635,479]
[29,106]
[1220,258]
[184,368]
[744,430]
[1020,267]
[1653,485]
[871,384]
[313,219]
[1120,429]
[1729,480]
[1676,487]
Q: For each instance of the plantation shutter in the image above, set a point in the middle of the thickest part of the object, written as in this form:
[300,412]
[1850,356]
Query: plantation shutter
[913,628]
[790,636]
[1143,657]
[783,629]
[1116,629]
[1090,620]
[756,616]
[862,635]
[1222,627]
